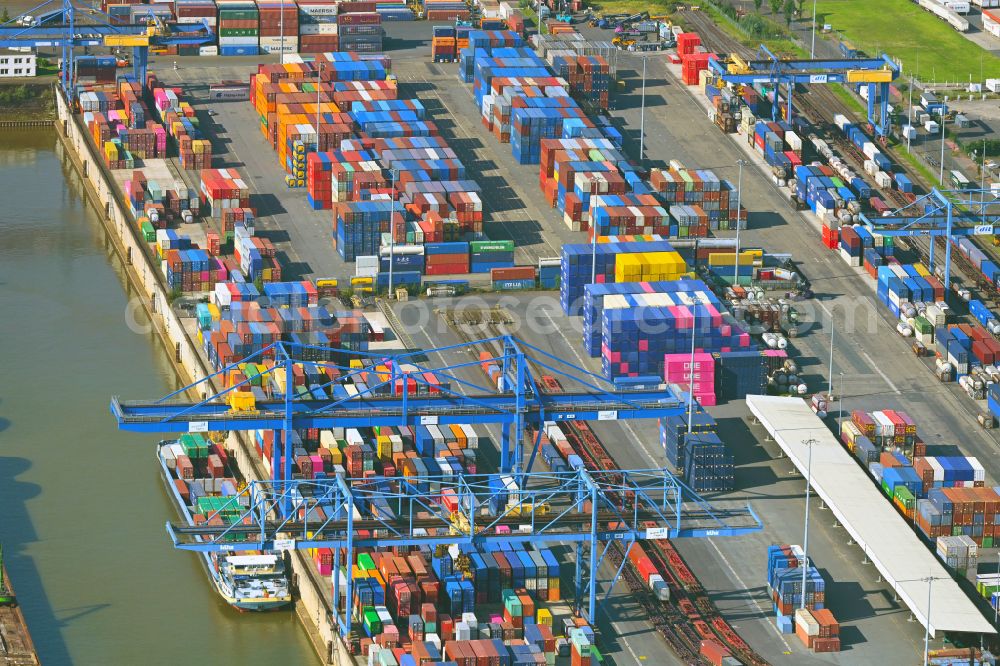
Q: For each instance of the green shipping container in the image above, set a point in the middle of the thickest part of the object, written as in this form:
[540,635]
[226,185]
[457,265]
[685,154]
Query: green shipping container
[237,32]
[886,489]
[372,623]
[923,326]
[491,246]
[238,14]
[149,232]
[366,562]
[987,542]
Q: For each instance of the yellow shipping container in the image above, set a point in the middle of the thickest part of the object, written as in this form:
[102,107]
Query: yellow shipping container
[242,402]
[279,378]
[544,616]
[747,258]
[213,310]
[921,270]
[649,266]
[384,446]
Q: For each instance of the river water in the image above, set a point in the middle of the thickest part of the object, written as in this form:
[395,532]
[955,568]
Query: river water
[82,508]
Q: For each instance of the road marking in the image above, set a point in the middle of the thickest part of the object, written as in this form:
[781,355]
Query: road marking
[881,374]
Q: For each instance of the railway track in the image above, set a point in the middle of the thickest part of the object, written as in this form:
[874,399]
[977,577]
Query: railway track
[690,616]
[819,104]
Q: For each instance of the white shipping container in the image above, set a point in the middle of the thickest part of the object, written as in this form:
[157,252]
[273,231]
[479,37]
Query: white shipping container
[991,24]
[870,150]
[909,132]
[986,3]
[805,620]
[276,45]
[993,85]
[208,51]
[794,141]
[883,180]
[328,28]
[840,120]
[931,126]
[318,10]
[238,41]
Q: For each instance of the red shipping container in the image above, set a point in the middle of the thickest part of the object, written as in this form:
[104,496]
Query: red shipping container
[513,273]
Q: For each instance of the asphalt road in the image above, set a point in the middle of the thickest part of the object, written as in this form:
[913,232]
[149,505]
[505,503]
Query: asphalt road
[878,369]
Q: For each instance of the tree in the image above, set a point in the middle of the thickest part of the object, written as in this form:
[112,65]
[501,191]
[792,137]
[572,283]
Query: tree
[775,6]
[757,5]
[798,5]
[4,16]
[789,9]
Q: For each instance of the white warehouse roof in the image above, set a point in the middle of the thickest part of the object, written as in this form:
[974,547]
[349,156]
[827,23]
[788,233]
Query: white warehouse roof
[869,518]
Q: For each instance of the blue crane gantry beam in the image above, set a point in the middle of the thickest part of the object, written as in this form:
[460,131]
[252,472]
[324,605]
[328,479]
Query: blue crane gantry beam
[948,213]
[579,507]
[383,403]
[68,27]
[876,73]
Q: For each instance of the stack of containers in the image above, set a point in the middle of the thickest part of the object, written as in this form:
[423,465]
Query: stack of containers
[191,270]
[223,189]
[577,264]
[239,28]
[674,430]
[972,512]
[740,373]
[513,279]
[339,176]
[446,258]
[708,466]
[95,69]
[484,256]
[594,296]
[444,44]
[706,194]
[255,256]
[960,553]
[698,374]
[966,347]
[359,32]
[549,272]
[279,26]
[698,455]
[445,10]
[643,328]
[358,227]
[784,581]
[589,78]
[318,26]
[196,12]
[628,214]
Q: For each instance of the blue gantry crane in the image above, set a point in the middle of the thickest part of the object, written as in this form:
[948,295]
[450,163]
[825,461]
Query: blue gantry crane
[876,73]
[61,24]
[578,507]
[948,213]
[460,398]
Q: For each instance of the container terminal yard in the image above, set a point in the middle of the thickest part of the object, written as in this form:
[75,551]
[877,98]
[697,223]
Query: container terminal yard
[517,350]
